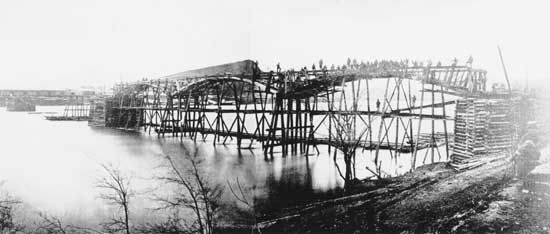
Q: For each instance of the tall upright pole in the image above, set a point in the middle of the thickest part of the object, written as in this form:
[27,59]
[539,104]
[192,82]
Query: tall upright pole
[504,68]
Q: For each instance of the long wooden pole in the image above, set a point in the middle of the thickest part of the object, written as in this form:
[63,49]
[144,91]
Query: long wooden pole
[504,69]
[413,160]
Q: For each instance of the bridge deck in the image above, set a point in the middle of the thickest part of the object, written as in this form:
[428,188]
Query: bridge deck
[290,106]
[425,141]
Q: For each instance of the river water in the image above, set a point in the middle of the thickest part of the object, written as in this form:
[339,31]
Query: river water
[53,166]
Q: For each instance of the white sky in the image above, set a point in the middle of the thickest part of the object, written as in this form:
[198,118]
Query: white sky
[60,44]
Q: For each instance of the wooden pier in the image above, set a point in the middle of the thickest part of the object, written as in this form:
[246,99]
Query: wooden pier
[77,109]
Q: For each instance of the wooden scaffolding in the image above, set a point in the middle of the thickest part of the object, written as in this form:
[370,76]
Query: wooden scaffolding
[291,111]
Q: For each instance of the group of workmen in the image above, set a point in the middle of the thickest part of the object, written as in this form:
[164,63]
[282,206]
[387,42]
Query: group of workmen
[377,65]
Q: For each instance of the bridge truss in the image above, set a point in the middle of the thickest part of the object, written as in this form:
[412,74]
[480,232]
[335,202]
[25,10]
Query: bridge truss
[296,111]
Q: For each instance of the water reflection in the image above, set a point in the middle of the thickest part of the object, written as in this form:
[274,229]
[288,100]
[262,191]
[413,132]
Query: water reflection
[52,166]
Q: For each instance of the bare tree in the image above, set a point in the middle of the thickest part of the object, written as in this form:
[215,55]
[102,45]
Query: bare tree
[347,142]
[174,224]
[193,192]
[117,193]
[347,139]
[246,200]
[8,205]
[7,215]
[51,224]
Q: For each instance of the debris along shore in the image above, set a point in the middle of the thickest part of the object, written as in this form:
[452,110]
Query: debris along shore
[433,198]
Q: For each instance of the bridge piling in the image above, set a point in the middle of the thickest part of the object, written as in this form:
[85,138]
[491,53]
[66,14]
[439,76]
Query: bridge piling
[295,110]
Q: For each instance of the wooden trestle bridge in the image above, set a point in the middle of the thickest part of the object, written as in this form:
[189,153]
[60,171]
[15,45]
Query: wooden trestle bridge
[297,110]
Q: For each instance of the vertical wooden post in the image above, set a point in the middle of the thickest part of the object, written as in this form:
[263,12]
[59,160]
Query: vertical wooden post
[330,103]
[434,144]
[291,132]
[444,122]
[382,123]
[413,161]
[397,147]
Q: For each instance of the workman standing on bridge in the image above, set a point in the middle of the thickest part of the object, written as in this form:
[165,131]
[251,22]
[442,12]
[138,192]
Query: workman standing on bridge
[378,105]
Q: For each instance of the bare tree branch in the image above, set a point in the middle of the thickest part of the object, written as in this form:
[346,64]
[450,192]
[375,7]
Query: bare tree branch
[116,192]
[8,205]
[194,192]
[241,197]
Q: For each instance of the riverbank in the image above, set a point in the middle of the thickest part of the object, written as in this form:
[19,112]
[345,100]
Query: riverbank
[433,198]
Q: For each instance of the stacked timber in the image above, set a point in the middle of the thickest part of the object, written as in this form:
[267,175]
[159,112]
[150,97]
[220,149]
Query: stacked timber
[483,128]
[119,113]
[97,114]
[470,124]
[111,113]
[500,127]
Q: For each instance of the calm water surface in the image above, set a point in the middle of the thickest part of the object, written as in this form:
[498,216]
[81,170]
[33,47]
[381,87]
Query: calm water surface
[53,166]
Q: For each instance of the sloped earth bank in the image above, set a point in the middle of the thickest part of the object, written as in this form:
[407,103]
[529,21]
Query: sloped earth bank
[433,199]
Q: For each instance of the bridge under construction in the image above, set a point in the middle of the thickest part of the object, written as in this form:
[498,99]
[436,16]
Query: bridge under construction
[396,106]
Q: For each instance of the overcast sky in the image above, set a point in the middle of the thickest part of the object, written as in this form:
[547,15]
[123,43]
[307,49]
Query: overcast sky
[60,44]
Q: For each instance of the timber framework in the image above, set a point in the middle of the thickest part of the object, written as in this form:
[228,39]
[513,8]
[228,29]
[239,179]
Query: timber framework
[291,111]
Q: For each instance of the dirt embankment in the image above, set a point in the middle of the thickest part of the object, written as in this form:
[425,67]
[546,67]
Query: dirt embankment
[430,199]
[434,199]
[493,198]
